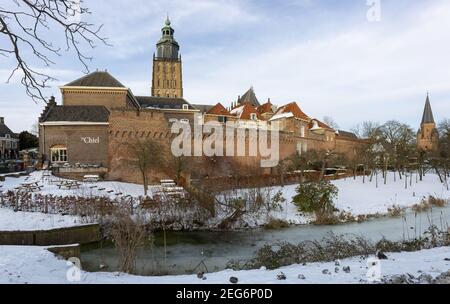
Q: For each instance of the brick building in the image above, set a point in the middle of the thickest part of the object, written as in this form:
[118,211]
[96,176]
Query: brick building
[9,142]
[428,135]
[100,117]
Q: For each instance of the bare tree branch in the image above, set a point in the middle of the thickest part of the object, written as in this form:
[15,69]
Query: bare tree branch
[27,29]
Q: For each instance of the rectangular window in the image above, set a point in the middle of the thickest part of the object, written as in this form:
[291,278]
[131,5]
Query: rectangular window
[59,155]
[222,119]
[302,131]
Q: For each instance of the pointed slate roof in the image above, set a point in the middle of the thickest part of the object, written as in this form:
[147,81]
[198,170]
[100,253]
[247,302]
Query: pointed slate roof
[427,113]
[5,130]
[250,98]
[97,79]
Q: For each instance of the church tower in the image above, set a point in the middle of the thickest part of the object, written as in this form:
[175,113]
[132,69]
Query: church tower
[428,135]
[167,67]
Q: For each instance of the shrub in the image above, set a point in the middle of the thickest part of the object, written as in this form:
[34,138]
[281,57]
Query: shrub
[437,202]
[396,211]
[334,247]
[273,224]
[316,198]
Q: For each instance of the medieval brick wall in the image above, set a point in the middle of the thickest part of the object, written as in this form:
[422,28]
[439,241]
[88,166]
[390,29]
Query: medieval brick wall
[125,127]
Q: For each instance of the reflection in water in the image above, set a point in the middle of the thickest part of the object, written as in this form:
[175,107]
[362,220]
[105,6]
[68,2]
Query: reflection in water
[186,250]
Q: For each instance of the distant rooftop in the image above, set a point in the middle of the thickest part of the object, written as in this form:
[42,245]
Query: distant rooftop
[427,112]
[163,103]
[97,79]
[77,114]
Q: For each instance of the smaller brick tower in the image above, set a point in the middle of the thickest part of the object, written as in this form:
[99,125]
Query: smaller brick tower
[428,135]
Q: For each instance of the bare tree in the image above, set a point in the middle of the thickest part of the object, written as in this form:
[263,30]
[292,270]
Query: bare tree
[398,141]
[29,27]
[129,234]
[367,129]
[146,154]
[331,122]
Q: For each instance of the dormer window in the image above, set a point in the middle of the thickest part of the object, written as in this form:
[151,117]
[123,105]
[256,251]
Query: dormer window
[185,107]
[253,116]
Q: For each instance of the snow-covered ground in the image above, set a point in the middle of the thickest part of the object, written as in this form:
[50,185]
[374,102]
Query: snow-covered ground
[88,189]
[359,198]
[354,197]
[30,221]
[37,265]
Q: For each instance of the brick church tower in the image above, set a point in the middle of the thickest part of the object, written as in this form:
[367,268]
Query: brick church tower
[167,66]
[428,135]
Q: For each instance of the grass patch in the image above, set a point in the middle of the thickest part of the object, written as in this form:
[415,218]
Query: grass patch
[396,211]
[428,204]
[437,202]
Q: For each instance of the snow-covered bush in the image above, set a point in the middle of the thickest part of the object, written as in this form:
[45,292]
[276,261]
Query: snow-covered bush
[317,198]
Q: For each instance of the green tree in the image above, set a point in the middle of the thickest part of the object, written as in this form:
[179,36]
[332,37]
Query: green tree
[28,141]
[316,198]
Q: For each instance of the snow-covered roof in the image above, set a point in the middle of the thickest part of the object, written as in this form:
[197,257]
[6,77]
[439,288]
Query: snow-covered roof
[281,116]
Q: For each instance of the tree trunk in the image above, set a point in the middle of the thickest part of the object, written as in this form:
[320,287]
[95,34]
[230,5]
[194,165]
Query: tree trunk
[144,179]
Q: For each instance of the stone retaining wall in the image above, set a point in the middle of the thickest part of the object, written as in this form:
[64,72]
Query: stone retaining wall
[66,252]
[63,236]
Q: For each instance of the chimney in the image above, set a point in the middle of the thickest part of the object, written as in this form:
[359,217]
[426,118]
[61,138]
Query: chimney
[2,120]
[52,101]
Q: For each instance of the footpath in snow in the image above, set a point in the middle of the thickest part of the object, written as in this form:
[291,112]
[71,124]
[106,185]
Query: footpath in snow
[35,265]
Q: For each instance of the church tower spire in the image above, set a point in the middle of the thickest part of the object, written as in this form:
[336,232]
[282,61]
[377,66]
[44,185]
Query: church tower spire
[428,135]
[167,65]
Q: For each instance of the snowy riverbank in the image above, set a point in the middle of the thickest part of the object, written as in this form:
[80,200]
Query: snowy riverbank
[32,221]
[355,197]
[358,198]
[36,265]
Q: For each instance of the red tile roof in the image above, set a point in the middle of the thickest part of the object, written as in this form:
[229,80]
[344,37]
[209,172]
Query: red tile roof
[294,109]
[320,124]
[218,109]
[244,112]
[265,108]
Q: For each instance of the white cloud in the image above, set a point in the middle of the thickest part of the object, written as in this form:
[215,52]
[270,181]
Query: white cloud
[336,65]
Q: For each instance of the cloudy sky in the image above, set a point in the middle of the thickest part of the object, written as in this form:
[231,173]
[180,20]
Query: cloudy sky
[324,54]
